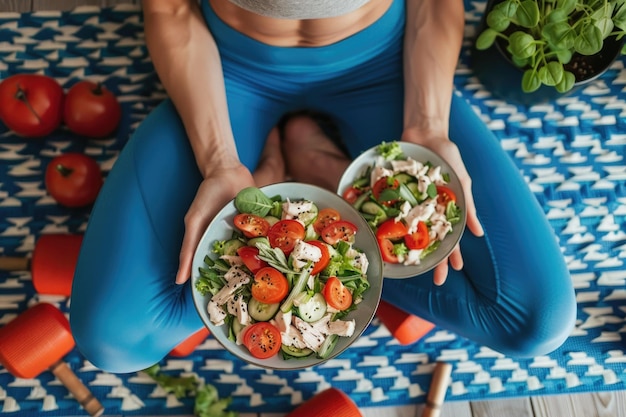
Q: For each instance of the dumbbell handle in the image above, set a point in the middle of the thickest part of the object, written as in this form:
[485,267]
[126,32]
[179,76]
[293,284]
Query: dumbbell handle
[14,263]
[437,391]
[74,385]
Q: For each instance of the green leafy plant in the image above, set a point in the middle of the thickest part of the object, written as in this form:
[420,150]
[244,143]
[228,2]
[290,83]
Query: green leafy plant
[542,36]
[207,402]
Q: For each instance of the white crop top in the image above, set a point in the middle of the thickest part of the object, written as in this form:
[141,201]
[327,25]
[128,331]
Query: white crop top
[300,9]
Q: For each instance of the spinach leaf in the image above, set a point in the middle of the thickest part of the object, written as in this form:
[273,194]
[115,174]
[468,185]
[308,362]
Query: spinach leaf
[207,402]
[251,200]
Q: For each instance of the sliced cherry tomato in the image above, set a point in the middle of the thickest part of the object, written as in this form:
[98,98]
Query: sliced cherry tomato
[251,225]
[386,250]
[323,262]
[418,239]
[391,229]
[351,194]
[325,217]
[340,230]
[383,184]
[262,340]
[445,195]
[270,286]
[336,294]
[250,257]
[285,233]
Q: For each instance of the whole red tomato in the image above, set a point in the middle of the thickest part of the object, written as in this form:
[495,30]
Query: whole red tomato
[91,110]
[73,179]
[31,104]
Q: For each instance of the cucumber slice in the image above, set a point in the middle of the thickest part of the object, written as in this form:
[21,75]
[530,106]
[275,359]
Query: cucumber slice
[404,178]
[328,346]
[360,200]
[255,240]
[295,352]
[314,309]
[235,329]
[272,220]
[374,213]
[310,233]
[370,207]
[413,187]
[231,246]
[260,311]
[364,180]
[310,216]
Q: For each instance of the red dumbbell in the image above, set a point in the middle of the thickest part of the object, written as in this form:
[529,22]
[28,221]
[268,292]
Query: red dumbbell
[52,265]
[37,340]
[331,402]
[406,328]
[52,268]
[187,346]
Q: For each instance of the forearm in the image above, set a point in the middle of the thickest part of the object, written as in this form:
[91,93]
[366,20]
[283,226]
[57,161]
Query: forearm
[433,38]
[187,61]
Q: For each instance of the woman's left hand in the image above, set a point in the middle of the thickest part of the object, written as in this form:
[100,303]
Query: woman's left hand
[445,148]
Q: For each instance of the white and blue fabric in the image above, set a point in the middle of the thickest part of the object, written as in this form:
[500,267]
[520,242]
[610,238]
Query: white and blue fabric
[571,152]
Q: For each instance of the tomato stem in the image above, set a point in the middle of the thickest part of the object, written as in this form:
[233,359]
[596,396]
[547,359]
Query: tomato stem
[98,90]
[20,95]
[63,170]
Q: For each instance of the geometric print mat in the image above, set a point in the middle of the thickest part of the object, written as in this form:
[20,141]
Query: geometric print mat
[571,151]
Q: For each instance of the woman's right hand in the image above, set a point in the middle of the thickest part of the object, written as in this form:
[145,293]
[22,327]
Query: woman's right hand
[219,187]
[213,193]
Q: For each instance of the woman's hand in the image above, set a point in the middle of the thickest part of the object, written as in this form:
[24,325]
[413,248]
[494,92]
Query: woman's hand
[214,192]
[218,188]
[445,148]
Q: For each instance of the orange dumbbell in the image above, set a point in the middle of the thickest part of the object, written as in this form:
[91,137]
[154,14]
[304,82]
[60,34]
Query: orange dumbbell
[52,265]
[405,327]
[52,268]
[331,402]
[37,340]
[187,346]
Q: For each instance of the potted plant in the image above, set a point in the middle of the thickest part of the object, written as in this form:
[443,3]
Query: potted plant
[557,44]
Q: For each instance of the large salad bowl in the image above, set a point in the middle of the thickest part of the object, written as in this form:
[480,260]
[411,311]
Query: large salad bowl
[221,229]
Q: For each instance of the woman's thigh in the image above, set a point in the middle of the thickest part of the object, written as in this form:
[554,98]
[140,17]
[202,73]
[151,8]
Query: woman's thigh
[124,281]
[127,312]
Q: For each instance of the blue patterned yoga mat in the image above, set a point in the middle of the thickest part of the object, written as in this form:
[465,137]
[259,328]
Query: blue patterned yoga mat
[571,152]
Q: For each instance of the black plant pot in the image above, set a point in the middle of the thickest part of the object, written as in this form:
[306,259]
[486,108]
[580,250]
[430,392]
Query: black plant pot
[503,79]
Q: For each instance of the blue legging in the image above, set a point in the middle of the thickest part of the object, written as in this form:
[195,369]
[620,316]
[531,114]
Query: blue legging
[514,293]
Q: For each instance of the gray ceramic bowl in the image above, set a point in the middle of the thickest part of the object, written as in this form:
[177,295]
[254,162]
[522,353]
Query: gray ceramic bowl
[221,229]
[421,154]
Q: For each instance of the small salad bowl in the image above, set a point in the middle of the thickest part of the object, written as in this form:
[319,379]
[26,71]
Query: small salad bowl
[377,210]
[222,228]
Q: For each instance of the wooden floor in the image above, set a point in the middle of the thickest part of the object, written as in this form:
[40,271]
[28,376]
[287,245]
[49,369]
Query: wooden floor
[603,404]
[607,404]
